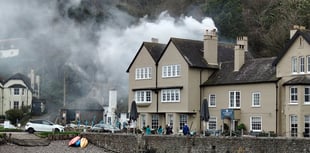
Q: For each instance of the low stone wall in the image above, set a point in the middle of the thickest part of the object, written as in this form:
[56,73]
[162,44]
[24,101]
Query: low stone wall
[131,143]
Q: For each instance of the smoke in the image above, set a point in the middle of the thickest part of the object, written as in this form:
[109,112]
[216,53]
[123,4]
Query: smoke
[101,51]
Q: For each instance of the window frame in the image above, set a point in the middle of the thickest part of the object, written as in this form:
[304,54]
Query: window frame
[256,123]
[294,65]
[143,73]
[171,71]
[301,64]
[254,103]
[15,104]
[212,100]
[155,121]
[183,120]
[307,95]
[307,125]
[143,96]
[16,92]
[308,64]
[235,100]
[293,129]
[293,95]
[170,95]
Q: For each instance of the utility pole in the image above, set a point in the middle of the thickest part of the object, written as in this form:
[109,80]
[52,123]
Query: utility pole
[64,88]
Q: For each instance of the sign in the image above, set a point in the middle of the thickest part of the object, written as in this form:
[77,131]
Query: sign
[227,113]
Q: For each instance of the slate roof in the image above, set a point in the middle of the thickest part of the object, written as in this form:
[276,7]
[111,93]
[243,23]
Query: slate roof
[19,76]
[155,50]
[304,33]
[259,70]
[299,80]
[192,51]
[86,103]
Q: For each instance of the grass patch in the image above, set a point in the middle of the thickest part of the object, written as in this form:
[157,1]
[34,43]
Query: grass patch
[2,129]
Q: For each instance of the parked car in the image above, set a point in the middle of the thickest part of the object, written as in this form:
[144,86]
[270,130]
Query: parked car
[104,128]
[43,125]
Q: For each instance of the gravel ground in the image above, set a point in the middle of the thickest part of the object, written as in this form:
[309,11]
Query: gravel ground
[59,146]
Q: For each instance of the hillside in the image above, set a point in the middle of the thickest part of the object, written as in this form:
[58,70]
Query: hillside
[78,40]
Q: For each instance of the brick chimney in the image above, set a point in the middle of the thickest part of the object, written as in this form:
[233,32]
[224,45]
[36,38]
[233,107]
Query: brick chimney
[240,49]
[210,47]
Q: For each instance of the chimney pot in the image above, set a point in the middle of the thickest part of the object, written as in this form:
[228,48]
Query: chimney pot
[155,40]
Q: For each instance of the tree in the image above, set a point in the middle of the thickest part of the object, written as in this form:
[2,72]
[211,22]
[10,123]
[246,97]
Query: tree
[228,18]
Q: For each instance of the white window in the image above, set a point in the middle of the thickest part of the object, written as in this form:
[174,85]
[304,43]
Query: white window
[212,99]
[256,123]
[234,99]
[143,120]
[144,73]
[307,95]
[155,121]
[308,64]
[293,95]
[171,71]
[144,96]
[183,120]
[293,125]
[256,99]
[212,123]
[301,64]
[16,105]
[170,95]
[294,64]
[16,91]
[307,126]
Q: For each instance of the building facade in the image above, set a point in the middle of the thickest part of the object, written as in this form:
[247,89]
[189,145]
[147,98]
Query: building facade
[16,92]
[170,81]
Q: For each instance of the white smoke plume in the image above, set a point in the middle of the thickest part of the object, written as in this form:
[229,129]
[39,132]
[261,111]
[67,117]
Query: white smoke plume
[116,44]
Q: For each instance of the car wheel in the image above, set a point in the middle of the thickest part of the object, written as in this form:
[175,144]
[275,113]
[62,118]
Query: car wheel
[57,130]
[31,130]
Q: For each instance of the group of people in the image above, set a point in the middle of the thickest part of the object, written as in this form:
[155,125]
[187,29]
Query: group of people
[168,130]
[160,130]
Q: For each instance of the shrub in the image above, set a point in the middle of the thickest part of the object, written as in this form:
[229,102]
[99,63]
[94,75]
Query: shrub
[14,115]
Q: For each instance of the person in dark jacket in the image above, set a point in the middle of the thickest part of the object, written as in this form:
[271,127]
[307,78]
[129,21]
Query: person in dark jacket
[168,130]
[185,129]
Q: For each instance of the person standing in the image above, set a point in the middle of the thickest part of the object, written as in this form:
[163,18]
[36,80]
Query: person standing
[168,129]
[147,130]
[160,130]
[185,129]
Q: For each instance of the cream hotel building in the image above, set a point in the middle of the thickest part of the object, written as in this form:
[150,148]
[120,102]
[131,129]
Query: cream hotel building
[267,95]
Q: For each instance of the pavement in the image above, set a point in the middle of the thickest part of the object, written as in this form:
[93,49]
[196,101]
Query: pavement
[26,139]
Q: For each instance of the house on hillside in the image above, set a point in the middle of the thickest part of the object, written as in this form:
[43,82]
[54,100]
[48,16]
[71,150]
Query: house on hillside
[170,81]
[16,93]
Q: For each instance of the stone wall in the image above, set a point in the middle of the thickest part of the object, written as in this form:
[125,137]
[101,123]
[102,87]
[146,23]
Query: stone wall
[131,143]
